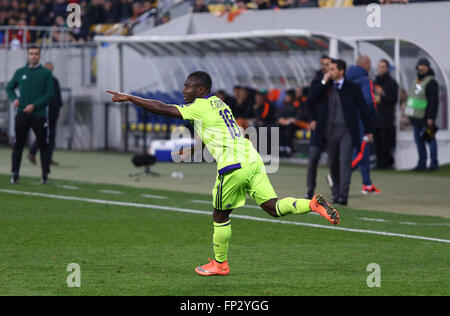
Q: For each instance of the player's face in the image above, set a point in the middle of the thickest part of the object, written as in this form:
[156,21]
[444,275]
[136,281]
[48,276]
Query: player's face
[190,91]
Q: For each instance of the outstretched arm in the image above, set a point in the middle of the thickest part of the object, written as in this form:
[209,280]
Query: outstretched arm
[153,106]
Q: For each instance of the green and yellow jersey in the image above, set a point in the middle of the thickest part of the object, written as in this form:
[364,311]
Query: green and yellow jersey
[215,124]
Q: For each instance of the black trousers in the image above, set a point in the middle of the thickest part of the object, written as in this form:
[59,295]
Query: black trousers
[52,139]
[39,125]
[384,144]
[340,150]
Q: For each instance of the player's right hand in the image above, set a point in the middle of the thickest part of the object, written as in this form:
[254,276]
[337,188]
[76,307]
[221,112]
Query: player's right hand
[118,96]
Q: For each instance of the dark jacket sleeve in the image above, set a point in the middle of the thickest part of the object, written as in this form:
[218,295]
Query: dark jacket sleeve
[363,110]
[316,96]
[44,100]
[432,94]
[390,93]
[367,90]
[57,99]
[12,85]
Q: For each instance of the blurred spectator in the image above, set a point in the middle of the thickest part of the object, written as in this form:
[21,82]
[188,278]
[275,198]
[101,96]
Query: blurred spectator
[200,6]
[241,5]
[96,13]
[112,11]
[259,4]
[317,144]
[300,105]
[45,15]
[81,34]
[229,100]
[359,74]
[137,10]
[422,108]
[126,9]
[265,111]
[306,3]
[16,38]
[287,4]
[364,2]
[265,117]
[149,4]
[165,18]
[386,92]
[286,117]
[58,36]
[234,98]
[54,108]
[60,7]
[244,107]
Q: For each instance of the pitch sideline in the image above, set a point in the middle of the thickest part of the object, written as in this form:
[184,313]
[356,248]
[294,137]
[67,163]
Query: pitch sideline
[191,211]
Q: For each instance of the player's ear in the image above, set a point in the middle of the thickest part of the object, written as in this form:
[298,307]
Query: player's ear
[201,90]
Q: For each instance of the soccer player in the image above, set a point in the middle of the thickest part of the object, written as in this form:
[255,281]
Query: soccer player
[240,167]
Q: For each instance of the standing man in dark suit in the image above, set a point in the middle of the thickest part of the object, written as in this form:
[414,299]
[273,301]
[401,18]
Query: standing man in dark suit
[338,121]
[53,114]
[386,92]
[316,144]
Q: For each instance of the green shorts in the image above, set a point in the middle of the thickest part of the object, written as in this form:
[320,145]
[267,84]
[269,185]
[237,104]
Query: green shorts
[232,187]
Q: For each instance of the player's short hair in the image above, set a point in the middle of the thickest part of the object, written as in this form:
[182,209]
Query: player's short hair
[324,57]
[341,65]
[202,78]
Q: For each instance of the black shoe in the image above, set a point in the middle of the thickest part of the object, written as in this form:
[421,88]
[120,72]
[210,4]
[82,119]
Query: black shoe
[308,196]
[335,200]
[343,202]
[15,179]
[44,179]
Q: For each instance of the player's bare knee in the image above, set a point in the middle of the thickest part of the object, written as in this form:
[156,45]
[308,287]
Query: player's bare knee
[221,216]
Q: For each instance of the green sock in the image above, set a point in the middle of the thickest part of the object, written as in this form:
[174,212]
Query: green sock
[221,238]
[292,206]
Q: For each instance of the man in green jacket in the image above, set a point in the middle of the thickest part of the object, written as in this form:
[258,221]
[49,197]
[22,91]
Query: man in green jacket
[35,84]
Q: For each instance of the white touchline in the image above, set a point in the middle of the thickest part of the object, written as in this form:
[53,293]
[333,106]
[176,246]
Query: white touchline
[151,196]
[110,192]
[69,187]
[200,201]
[373,219]
[185,210]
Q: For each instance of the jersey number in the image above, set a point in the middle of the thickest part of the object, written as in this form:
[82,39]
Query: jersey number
[234,129]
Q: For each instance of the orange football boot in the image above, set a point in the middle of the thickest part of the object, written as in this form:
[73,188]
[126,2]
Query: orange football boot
[213,268]
[319,205]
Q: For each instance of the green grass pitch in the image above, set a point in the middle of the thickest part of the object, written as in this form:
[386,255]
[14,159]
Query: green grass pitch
[131,250]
